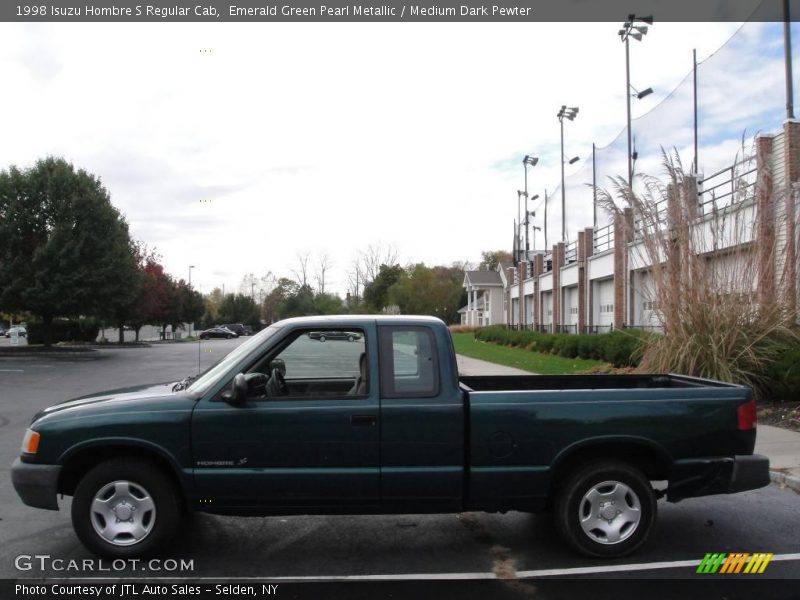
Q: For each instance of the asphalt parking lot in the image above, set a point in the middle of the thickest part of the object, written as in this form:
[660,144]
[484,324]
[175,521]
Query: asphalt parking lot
[471,546]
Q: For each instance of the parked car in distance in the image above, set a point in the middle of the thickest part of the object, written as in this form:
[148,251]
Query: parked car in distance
[236,328]
[21,331]
[350,336]
[219,333]
[247,330]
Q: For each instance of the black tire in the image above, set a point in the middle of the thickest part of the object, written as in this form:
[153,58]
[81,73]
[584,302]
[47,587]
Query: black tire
[628,492]
[322,338]
[163,521]
[350,338]
[229,337]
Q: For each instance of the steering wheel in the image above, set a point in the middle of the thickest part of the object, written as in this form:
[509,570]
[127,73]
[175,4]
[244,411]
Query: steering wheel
[280,381]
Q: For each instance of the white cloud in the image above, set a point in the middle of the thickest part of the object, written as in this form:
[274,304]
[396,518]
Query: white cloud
[327,137]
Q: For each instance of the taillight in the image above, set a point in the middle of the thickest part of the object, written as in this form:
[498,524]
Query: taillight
[746,416]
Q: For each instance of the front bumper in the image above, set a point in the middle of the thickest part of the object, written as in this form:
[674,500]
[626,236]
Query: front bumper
[727,475]
[36,485]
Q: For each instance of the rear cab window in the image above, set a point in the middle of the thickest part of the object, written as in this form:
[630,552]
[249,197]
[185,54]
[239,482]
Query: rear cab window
[409,362]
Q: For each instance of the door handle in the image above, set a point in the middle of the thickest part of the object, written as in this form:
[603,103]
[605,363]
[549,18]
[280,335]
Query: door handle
[364,420]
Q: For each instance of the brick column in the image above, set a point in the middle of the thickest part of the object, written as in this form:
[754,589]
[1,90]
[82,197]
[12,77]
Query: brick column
[588,311]
[582,249]
[523,273]
[623,233]
[558,262]
[791,132]
[765,221]
[538,268]
[510,279]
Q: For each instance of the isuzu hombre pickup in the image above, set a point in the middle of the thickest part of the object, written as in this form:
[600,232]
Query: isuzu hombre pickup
[296,422]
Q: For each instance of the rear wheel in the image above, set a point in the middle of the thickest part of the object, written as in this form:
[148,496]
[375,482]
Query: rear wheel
[322,338]
[124,508]
[350,338]
[606,509]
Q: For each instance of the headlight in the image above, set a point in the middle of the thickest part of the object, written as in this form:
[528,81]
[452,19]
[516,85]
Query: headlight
[30,443]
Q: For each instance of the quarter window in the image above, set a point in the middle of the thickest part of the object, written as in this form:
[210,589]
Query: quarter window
[409,364]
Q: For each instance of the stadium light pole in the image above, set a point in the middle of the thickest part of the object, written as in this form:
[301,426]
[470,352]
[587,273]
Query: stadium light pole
[631,30]
[527,161]
[190,275]
[565,113]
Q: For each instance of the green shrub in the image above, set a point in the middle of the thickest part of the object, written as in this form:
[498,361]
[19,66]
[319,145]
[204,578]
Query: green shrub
[64,330]
[620,348]
[588,346]
[783,376]
[569,348]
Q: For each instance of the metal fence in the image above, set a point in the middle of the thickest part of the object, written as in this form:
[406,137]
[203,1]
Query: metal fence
[739,90]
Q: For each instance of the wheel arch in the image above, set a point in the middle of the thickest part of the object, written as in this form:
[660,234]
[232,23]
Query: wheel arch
[644,454]
[80,459]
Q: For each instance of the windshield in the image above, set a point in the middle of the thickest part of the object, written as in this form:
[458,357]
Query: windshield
[216,371]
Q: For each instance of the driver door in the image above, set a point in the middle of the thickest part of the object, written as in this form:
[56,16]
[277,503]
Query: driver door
[313,444]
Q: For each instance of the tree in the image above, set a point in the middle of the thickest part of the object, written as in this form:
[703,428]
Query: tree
[212,302]
[64,249]
[239,308]
[155,293]
[323,266]
[435,291]
[283,289]
[491,259]
[191,304]
[298,304]
[301,272]
[373,258]
[376,293]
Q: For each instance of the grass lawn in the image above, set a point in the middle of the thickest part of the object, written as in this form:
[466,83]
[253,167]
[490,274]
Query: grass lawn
[536,362]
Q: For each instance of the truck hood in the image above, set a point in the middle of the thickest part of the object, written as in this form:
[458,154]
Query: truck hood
[129,397]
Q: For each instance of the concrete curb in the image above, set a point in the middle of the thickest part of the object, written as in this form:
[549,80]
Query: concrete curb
[785,479]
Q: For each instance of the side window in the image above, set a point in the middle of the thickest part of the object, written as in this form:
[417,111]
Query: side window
[315,363]
[409,363]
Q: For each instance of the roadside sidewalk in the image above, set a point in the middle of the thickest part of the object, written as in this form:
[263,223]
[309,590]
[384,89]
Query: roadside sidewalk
[781,446]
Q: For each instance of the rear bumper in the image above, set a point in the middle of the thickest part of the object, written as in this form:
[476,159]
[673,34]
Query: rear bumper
[727,475]
[36,485]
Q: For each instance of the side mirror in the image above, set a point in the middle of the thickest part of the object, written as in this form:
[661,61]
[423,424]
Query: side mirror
[237,393]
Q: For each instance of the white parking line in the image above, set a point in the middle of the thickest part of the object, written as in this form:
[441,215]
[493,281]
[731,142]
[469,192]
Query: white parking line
[457,576]
[12,370]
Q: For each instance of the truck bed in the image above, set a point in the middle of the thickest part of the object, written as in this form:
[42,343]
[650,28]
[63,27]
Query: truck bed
[496,383]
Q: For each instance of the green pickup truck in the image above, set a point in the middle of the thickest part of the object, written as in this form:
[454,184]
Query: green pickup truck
[379,422]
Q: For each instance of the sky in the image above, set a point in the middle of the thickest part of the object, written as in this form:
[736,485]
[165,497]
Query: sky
[234,147]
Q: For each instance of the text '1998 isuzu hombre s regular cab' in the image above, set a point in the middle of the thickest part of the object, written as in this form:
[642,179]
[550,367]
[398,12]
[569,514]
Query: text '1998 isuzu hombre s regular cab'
[379,422]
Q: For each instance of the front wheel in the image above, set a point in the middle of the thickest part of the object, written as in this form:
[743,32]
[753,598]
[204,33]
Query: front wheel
[606,509]
[125,508]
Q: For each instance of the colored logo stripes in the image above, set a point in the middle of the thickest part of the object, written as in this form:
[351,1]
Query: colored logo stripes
[737,562]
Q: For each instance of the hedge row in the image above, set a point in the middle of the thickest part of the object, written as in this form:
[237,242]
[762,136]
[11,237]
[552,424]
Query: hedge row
[64,330]
[783,376]
[620,348]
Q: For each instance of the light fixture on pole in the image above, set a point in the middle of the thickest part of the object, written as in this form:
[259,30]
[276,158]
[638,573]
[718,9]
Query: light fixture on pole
[532,213]
[568,113]
[527,161]
[631,30]
[190,275]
